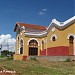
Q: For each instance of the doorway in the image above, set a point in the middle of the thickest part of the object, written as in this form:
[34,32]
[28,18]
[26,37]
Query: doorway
[33,47]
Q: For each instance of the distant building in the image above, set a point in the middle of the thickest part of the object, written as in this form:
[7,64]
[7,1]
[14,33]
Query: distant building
[58,39]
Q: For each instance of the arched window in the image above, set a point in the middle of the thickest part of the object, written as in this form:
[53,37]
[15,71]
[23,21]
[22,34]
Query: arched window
[33,43]
[21,46]
[71,38]
[71,45]
[17,44]
[31,40]
[53,38]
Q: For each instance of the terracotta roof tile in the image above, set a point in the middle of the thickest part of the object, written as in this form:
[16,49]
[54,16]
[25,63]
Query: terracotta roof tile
[32,26]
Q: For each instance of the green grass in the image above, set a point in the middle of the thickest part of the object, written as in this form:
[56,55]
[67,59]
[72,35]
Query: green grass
[31,67]
[2,56]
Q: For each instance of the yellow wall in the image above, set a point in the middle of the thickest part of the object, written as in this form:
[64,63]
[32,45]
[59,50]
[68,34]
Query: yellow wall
[17,56]
[26,48]
[61,36]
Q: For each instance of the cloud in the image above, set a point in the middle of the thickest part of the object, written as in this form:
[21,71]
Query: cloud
[44,9]
[42,12]
[7,42]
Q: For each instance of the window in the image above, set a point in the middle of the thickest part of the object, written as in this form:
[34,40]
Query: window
[53,38]
[71,38]
[33,43]
[21,46]
[17,43]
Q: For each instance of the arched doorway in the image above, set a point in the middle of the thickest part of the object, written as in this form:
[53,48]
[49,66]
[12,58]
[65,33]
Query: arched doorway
[33,47]
[71,45]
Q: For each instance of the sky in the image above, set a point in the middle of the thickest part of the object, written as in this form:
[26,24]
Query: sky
[39,12]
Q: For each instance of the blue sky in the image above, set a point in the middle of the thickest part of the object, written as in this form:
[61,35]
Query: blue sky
[39,12]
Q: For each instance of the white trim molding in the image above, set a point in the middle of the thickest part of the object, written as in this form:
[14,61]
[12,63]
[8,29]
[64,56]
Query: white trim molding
[32,39]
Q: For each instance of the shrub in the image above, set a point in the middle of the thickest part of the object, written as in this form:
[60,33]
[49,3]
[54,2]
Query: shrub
[68,60]
[9,58]
[32,58]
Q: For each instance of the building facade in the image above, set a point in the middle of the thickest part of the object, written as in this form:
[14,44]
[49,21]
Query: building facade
[58,39]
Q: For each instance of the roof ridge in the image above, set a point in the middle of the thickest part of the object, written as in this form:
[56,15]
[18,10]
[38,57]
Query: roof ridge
[30,24]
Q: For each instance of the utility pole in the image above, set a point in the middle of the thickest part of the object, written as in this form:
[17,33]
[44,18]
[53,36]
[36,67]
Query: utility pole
[0,49]
[8,47]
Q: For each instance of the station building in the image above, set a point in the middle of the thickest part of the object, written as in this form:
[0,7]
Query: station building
[58,39]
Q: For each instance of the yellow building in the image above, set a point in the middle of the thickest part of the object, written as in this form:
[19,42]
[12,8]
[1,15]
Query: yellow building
[58,39]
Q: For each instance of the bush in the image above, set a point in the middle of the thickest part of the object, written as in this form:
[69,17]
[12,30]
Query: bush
[9,58]
[2,56]
[32,58]
[68,60]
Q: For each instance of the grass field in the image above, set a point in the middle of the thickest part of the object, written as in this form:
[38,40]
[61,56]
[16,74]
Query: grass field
[39,67]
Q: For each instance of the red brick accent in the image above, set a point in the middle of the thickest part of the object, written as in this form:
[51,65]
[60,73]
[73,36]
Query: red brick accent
[43,52]
[56,51]
[24,58]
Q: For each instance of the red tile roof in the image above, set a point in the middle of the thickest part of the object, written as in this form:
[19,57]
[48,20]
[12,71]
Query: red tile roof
[32,26]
